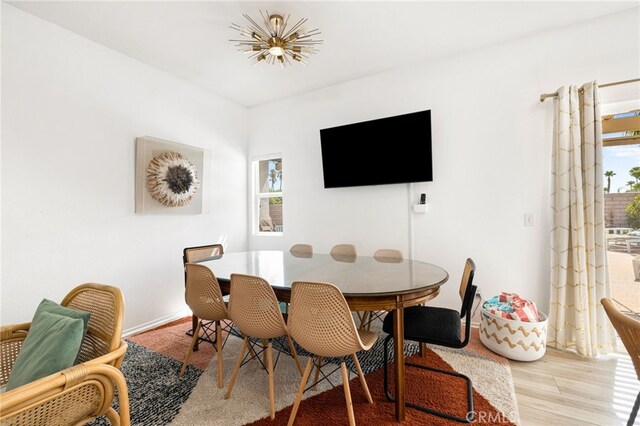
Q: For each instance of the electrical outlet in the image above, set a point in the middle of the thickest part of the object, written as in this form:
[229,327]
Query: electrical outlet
[528,219]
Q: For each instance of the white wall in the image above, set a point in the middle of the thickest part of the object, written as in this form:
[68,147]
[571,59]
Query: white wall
[71,112]
[491,147]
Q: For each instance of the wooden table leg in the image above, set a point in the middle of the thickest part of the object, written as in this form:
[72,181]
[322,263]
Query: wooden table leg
[398,348]
[423,349]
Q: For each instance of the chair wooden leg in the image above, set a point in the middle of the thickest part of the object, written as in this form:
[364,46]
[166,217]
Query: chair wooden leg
[237,368]
[363,319]
[219,348]
[295,354]
[251,351]
[194,340]
[272,402]
[303,382]
[317,374]
[347,394]
[363,381]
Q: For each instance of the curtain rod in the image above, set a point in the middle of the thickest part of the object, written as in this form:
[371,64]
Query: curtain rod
[615,83]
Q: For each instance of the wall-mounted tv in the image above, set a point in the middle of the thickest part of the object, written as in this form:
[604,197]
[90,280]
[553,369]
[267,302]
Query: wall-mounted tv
[377,152]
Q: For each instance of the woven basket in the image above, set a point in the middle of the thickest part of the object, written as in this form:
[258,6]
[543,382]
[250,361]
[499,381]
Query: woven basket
[517,340]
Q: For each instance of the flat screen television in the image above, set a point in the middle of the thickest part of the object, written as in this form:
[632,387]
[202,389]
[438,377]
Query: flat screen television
[378,152]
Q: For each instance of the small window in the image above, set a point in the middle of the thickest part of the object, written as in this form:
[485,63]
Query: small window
[267,189]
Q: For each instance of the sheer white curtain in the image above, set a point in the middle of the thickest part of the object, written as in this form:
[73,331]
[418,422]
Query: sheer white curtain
[579,276]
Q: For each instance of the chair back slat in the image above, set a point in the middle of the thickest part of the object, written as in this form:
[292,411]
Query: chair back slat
[193,254]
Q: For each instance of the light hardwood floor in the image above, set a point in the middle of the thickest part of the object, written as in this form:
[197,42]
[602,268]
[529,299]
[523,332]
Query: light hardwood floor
[563,389]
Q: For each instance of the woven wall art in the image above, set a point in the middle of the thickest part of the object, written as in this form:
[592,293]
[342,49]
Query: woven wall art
[169,177]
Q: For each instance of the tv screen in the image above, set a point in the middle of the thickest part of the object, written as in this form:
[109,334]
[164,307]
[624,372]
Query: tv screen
[377,152]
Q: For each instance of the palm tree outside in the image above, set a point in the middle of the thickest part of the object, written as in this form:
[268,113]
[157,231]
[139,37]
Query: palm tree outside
[609,174]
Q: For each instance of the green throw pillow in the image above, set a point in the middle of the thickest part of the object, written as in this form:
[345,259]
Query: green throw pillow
[52,344]
[52,307]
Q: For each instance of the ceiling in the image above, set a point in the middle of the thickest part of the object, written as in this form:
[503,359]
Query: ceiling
[191,39]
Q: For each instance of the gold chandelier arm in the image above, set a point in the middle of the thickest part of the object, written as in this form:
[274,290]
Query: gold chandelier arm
[295,27]
[257,28]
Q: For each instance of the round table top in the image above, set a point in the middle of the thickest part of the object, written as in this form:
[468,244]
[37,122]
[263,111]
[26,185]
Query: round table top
[354,276]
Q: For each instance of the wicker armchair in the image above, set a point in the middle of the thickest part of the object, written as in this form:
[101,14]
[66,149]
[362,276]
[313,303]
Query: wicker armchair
[80,392]
[73,396]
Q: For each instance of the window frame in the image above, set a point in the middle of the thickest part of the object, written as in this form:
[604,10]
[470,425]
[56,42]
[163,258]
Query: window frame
[256,195]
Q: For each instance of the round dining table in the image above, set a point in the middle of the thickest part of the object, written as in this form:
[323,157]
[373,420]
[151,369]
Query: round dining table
[367,283]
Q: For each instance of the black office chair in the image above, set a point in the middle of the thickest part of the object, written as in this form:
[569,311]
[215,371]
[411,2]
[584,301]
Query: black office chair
[438,326]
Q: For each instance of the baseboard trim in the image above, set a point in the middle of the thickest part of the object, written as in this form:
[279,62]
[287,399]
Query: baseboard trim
[167,319]
[152,324]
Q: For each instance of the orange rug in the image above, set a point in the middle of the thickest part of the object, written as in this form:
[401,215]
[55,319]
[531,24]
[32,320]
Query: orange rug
[171,340]
[426,388]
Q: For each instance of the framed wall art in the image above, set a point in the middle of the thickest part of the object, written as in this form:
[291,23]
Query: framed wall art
[170,177]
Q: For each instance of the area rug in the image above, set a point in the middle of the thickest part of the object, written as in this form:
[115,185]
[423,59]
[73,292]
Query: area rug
[156,393]
[494,396]
[159,397]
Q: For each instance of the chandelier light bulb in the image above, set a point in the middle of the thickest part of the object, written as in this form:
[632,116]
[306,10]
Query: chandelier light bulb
[275,41]
[276,51]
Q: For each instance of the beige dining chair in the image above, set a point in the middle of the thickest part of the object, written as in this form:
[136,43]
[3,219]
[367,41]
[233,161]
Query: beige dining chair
[255,310]
[348,250]
[321,322]
[204,297]
[193,254]
[301,249]
[344,253]
[629,331]
[388,256]
[382,256]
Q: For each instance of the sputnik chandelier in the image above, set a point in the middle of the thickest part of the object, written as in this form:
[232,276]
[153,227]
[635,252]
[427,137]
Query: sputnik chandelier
[273,43]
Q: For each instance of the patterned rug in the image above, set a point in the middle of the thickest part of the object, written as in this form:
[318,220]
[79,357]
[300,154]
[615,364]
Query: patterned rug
[159,397]
[156,393]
